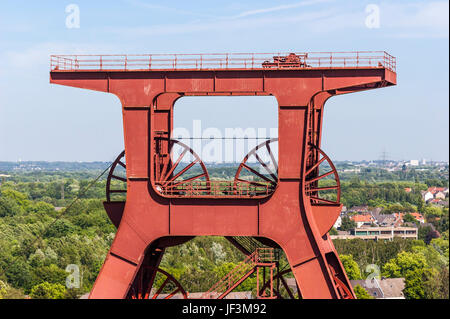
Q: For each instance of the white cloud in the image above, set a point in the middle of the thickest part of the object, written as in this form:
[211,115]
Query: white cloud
[407,20]
[280,8]
[228,24]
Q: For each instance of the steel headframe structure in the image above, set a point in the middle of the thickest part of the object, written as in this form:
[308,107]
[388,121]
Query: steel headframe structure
[286,208]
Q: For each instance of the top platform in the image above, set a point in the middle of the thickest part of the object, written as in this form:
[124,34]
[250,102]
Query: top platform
[224,61]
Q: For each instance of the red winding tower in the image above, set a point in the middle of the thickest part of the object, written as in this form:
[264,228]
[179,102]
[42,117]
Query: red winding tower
[285,207]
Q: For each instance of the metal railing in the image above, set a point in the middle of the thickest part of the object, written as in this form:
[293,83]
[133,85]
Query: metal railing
[248,243]
[226,284]
[239,189]
[302,60]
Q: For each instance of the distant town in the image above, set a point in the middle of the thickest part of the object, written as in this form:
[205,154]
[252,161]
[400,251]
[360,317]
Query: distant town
[343,166]
[394,213]
[372,223]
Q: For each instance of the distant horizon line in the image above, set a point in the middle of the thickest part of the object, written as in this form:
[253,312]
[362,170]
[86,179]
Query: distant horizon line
[336,160]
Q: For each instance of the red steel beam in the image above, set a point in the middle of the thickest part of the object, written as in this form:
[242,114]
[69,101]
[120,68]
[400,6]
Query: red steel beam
[286,217]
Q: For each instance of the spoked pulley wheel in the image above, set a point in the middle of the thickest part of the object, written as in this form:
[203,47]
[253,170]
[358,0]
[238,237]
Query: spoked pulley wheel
[260,178]
[322,183]
[117,173]
[183,173]
[164,285]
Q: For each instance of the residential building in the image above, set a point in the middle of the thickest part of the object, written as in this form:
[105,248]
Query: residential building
[376,233]
[384,220]
[338,223]
[427,196]
[384,288]
[434,190]
[399,217]
[361,220]
[439,195]
[385,232]
[392,287]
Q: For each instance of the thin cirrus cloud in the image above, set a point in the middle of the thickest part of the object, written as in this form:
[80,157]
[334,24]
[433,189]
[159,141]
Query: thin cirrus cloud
[244,19]
[222,24]
[279,8]
[146,5]
[412,19]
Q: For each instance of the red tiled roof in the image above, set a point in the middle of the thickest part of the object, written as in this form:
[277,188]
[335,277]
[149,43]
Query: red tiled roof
[362,218]
[436,189]
[416,215]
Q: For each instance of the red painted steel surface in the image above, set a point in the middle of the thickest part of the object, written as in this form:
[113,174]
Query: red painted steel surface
[153,220]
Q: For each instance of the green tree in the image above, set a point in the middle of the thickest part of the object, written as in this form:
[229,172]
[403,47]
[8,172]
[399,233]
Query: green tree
[8,292]
[18,273]
[351,267]
[347,223]
[51,274]
[409,218]
[248,285]
[60,228]
[333,231]
[411,266]
[9,206]
[436,287]
[361,293]
[47,290]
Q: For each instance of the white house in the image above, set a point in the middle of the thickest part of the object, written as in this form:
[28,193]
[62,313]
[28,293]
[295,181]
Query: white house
[338,223]
[439,195]
[427,196]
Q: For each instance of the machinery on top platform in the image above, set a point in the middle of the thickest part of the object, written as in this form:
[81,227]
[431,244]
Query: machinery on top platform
[291,202]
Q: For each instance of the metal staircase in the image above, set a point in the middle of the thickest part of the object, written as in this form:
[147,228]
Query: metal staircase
[247,245]
[261,257]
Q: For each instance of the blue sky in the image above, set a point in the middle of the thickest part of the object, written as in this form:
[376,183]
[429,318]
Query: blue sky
[39,121]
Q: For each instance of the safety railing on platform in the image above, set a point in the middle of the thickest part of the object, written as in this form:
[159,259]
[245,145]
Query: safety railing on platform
[240,272]
[359,59]
[241,189]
